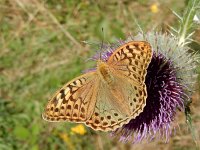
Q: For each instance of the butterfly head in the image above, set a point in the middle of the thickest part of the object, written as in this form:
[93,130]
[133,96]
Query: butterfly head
[104,72]
[100,63]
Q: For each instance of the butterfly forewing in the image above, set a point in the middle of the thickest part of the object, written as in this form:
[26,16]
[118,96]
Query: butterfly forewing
[75,101]
[131,60]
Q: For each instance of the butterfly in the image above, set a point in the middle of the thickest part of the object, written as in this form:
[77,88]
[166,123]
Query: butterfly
[108,97]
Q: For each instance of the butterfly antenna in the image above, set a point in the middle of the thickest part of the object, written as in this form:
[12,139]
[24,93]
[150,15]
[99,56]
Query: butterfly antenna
[101,50]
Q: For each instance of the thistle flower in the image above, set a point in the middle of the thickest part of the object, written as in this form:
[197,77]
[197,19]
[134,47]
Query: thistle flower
[170,79]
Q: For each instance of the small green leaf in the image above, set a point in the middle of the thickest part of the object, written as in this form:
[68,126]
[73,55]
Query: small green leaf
[35,129]
[35,147]
[21,132]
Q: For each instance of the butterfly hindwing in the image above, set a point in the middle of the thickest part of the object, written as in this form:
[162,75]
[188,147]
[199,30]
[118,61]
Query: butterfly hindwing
[116,106]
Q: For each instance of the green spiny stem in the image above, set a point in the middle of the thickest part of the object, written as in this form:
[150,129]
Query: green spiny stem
[187,23]
[190,125]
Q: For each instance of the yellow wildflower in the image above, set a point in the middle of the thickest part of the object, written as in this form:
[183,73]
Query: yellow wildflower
[78,129]
[154,8]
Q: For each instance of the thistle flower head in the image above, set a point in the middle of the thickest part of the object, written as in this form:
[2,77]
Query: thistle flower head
[170,79]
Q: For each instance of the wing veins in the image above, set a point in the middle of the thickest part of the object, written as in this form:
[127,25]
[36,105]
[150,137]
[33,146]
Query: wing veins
[88,84]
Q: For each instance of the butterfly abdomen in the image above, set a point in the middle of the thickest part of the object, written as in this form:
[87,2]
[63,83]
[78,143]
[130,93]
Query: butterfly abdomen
[105,72]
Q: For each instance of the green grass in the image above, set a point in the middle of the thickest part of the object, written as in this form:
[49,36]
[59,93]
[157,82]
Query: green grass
[41,49]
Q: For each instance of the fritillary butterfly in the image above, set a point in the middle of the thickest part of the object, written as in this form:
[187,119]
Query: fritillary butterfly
[110,96]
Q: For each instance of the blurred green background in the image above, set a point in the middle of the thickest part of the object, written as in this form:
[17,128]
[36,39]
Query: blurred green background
[41,49]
